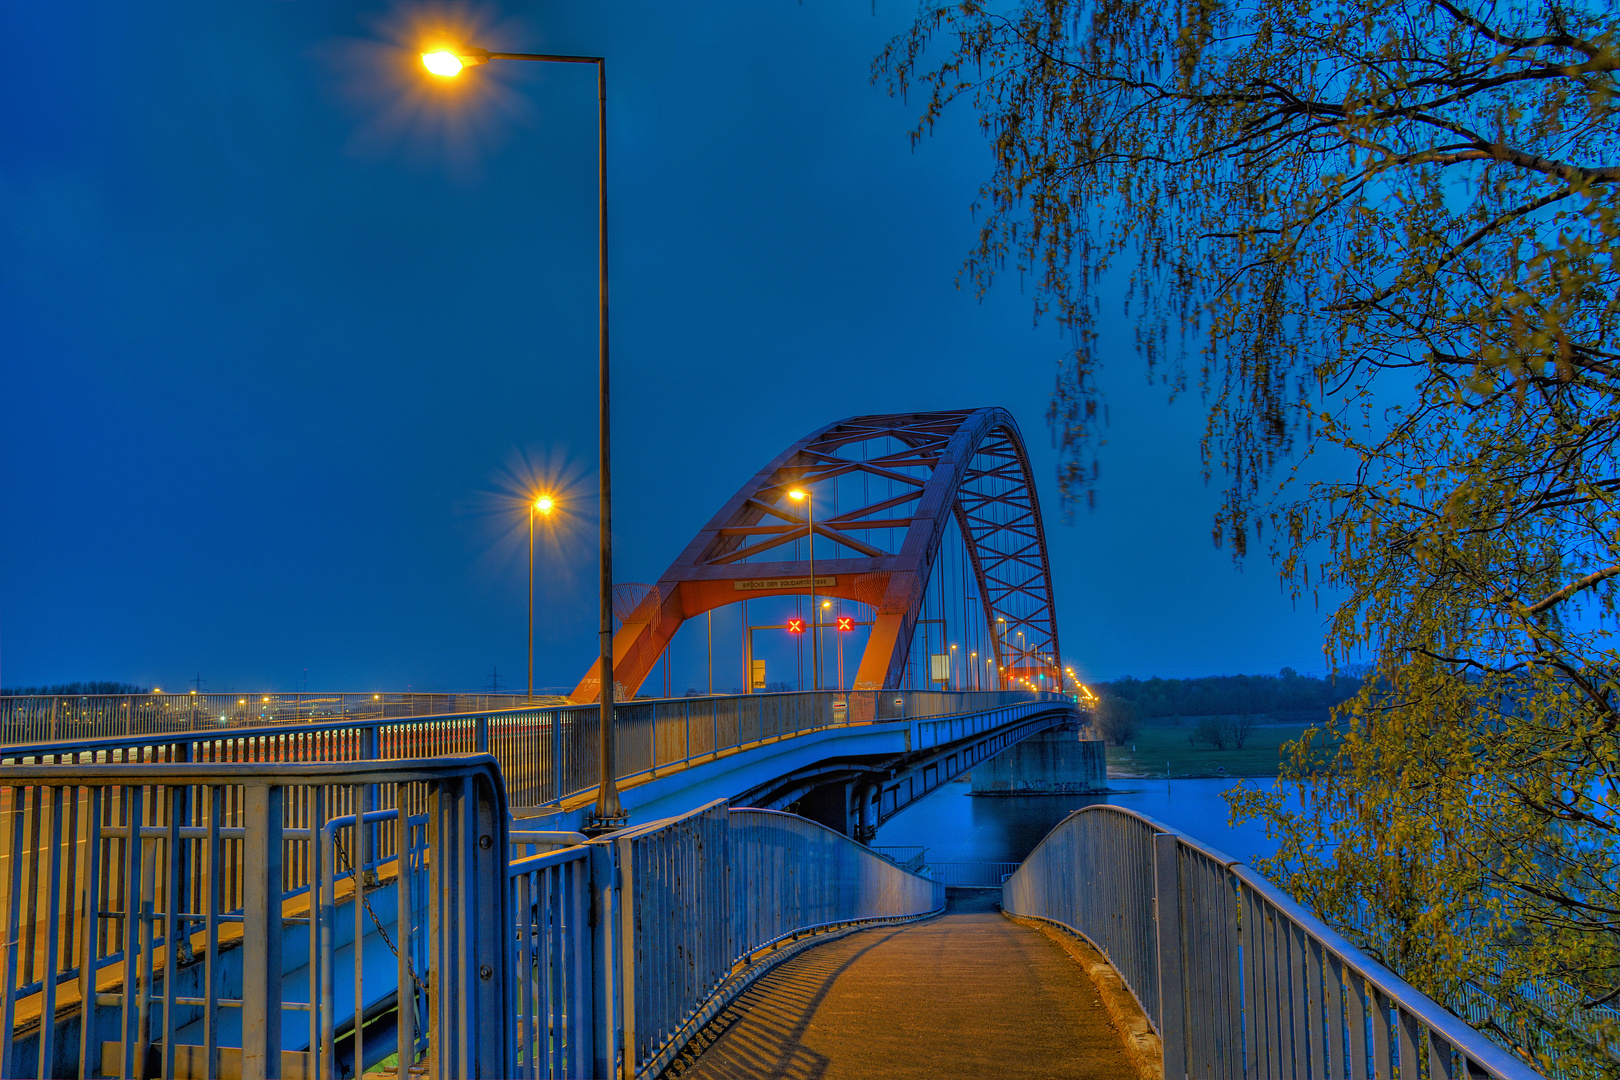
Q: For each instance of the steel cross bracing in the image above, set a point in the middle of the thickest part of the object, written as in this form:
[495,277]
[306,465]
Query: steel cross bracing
[968,463]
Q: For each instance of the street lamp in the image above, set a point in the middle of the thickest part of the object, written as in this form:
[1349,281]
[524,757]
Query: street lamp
[800,495]
[449,63]
[542,505]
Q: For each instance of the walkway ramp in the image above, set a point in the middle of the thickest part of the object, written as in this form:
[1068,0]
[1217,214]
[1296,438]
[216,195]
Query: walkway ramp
[968,994]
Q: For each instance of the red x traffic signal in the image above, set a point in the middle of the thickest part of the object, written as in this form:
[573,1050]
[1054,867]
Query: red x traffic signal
[795,626]
[846,622]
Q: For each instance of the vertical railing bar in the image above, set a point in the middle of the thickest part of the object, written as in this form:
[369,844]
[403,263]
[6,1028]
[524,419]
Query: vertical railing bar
[358,875]
[53,948]
[13,923]
[1332,974]
[172,923]
[1383,1049]
[89,930]
[1406,1026]
[323,911]
[1305,1002]
[406,1020]
[212,968]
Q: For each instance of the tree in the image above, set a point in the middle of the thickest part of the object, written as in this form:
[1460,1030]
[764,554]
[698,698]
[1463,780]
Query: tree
[1382,232]
[1118,719]
[1240,727]
[1212,730]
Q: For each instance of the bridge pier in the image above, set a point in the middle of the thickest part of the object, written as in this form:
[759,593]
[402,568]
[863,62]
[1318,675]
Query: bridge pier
[1064,760]
[830,805]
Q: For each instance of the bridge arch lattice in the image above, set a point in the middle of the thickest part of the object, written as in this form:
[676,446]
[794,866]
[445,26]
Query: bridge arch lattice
[967,465]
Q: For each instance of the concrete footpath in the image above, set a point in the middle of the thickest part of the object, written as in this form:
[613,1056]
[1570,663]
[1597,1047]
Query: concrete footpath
[969,994]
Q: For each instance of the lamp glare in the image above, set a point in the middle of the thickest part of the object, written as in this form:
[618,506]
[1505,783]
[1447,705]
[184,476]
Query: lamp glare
[442,62]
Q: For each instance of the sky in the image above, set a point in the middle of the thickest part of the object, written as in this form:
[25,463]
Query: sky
[289,330]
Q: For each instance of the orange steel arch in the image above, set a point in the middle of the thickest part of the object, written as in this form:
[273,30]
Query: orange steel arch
[967,463]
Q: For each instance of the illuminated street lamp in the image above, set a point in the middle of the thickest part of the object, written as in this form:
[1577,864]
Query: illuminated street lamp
[801,495]
[542,505]
[448,64]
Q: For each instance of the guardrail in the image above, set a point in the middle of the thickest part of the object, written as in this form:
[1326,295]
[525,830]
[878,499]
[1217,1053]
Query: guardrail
[971,875]
[1236,978]
[192,919]
[701,895]
[238,919]
[66,717]
[548,754]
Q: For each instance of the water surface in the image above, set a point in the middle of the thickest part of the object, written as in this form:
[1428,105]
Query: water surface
[957,826]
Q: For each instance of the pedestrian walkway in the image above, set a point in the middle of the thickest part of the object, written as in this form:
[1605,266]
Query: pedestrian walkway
[970,994]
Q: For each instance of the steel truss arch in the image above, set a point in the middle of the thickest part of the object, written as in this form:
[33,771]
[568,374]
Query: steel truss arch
[967,464]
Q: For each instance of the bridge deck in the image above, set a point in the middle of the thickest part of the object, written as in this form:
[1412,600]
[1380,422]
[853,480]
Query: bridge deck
[969,994]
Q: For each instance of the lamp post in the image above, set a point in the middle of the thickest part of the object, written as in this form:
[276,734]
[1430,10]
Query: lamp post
[542,505]
[798,495]
[447,63]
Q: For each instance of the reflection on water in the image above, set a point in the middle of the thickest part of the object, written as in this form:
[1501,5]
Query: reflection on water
[955,826]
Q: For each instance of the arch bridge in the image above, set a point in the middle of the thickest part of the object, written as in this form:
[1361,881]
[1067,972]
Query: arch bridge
[885,494]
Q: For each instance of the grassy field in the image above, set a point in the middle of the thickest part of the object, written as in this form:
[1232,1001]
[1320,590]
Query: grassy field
[1160,742]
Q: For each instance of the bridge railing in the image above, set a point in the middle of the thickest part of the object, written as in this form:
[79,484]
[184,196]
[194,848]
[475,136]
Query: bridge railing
[702,895]
[204,920]
[1236,978]
[243,919]
[71,717]
[546,754]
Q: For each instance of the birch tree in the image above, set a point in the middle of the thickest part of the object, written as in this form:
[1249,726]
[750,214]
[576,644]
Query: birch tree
[1382,232]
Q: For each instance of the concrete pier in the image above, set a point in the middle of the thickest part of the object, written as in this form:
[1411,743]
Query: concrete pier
[1062,761]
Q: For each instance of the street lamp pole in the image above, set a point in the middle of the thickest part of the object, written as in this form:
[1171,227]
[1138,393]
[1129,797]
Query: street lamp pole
[449,63]
[541,505]
[815,611]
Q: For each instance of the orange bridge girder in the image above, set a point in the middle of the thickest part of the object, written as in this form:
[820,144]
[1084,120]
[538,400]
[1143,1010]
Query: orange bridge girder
[976,470]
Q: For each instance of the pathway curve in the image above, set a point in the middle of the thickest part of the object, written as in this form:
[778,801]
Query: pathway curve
[969,994]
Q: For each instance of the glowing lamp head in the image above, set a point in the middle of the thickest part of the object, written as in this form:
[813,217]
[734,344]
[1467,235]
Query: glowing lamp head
[544,504]
[443,62]
[796,495]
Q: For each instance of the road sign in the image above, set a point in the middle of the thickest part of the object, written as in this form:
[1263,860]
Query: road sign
[795,626]
[846,622]
[758,675]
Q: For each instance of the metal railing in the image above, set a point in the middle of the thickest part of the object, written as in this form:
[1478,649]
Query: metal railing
[970,874]
[1236,978]
[262,920]
[200,920]
[66,718]
[910,856]
[700,895]
[548,754]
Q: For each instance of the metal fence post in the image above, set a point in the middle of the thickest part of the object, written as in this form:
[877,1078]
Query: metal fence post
[627,943]
[481,734]
[604,921]
[261,933]
[1167,912]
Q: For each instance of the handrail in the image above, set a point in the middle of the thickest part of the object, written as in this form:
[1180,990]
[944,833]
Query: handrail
[1239,980]
[250,849]
[703,894]
[549,753]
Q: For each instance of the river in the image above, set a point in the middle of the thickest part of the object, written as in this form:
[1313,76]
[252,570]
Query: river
[956,826]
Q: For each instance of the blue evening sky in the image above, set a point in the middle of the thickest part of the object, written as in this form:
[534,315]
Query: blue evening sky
[286,330]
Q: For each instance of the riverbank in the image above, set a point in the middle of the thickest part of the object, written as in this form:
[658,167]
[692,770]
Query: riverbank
[1161,748]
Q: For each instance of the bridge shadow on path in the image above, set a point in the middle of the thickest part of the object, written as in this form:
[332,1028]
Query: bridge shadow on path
[968,994]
